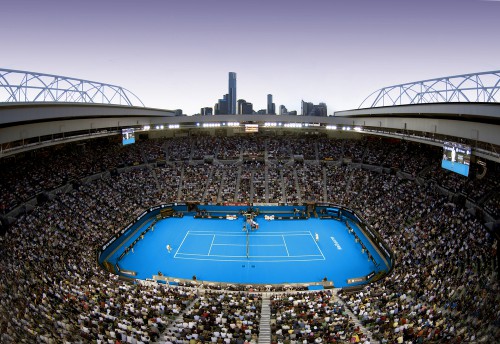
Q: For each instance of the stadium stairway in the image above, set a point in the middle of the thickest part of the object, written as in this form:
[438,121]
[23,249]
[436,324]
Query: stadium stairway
[325,185]
[316,152]
[155,178]
[207,185]
[252,188]
[356,321]
[164,336]
[221,186]
[296,185]
[181,181]
[348,183]
[265,320]
[238,181]
[266,179]
[283,187]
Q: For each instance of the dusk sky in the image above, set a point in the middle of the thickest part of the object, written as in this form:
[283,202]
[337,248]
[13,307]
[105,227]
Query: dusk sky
[177,54]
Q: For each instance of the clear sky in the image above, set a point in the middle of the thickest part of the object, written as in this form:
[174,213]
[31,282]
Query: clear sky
[177,54]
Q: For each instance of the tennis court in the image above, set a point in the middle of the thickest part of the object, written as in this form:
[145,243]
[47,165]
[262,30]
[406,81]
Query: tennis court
[270,247]
[219,250]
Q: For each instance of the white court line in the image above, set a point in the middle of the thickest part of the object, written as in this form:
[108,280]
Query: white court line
[211,245]
[286,248]
[182,242]
[316,244]
[215,233]
[250,260]
[242,245]
[223,260]
[266,245]
[252,245]
[251,233]
[275,234]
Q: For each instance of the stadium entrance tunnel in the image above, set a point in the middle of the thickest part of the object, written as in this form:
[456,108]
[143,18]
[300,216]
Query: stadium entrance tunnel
[315,244]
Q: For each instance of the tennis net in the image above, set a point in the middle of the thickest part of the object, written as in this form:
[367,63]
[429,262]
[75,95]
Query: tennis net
[248,243]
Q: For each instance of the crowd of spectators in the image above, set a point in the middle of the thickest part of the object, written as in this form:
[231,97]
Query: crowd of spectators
[228,191]
[311,318]
[253,147]
[260,185]
[278,149]
[492,206]
[194,181]
[290,184]
[443,287]
[205,146]
[100,155]
[218,317]
[376,154]
[447,179]
[353,150]
[244,189]
[305,146]
[51,289]
[274,184]
[179,148]
[329,149]
[311,182]
[336,183]
[214,186]
[230,148]
[169,180]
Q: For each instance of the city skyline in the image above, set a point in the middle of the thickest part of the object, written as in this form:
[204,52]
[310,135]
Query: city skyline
[176,55]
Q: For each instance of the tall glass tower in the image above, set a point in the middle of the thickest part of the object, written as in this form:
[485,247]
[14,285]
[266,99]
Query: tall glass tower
[232,93]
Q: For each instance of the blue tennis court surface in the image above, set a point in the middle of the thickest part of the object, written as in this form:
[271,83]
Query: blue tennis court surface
[262,247]
[280,251]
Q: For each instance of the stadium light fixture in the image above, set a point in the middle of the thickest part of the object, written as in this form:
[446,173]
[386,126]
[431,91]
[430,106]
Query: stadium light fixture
[211,125]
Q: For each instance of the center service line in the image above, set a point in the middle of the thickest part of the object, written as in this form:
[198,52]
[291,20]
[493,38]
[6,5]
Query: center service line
[286,248]
[211,245]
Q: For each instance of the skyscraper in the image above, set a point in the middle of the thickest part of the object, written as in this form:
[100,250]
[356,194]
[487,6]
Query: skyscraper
[307,108]
[206,111]
[232,94]
[222,107]
[270,105]
[244,107]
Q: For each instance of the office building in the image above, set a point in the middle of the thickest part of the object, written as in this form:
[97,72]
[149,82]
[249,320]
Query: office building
[206,111]
[244,107]
[270,105]
[232,94]
[320,110]
[222,106]
[309,109]
[283,110]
